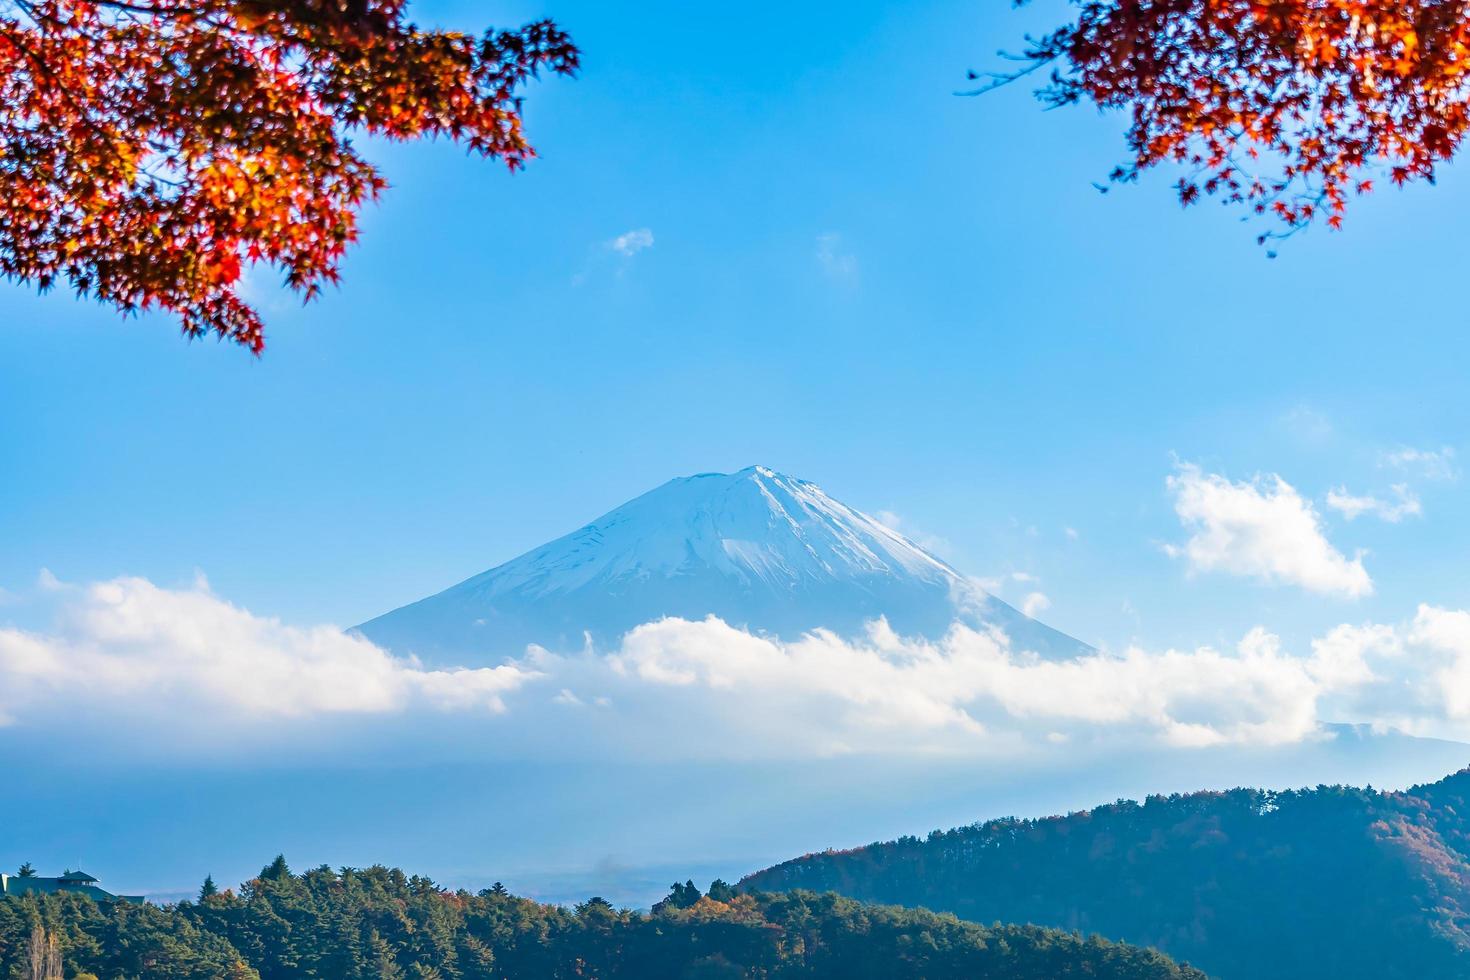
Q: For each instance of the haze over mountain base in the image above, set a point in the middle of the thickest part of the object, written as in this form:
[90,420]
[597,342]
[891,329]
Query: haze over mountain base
[565,831]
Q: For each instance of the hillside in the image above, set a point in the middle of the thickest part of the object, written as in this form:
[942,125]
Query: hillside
[1245,884]
[377,923]
[756,548]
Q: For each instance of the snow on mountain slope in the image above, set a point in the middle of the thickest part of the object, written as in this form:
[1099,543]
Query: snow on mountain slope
[755,548]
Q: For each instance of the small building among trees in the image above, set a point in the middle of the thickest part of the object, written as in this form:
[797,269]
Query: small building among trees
[27,882]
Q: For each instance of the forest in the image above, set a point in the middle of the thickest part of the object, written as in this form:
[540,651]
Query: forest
[382,924]
[1245,884]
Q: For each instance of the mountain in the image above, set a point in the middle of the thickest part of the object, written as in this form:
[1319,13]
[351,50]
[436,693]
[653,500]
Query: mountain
[380,922]
[755,548]
[1353,884]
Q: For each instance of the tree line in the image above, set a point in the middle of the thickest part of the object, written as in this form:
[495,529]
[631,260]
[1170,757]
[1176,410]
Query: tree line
[379,923]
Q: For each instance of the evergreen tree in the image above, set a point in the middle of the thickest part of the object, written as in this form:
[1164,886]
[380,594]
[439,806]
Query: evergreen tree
[721,891]
[384,962]
[276,870]
[680,896]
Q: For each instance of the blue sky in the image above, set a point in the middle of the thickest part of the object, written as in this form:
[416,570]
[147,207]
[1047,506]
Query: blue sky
[916,300]
[767,234]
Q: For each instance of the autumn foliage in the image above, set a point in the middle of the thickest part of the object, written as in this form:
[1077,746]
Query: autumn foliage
[1288,107]
[149,149]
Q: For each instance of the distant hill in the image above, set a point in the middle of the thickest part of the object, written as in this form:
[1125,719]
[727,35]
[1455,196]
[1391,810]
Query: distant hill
[381,924]
[1352,884]
[756,548]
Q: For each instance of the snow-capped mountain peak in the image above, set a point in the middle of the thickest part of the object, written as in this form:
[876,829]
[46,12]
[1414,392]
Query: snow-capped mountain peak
[755,526]
[755,547]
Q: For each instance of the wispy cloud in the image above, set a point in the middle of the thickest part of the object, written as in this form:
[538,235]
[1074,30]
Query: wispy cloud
[566,696]
[1035,604]
[1431,464]
[998,584]
[1262,529]
[1351,506]
[615,255]
[630,243]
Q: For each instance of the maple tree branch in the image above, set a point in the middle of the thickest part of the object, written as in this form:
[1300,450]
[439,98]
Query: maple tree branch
[40,65]
[1002,79]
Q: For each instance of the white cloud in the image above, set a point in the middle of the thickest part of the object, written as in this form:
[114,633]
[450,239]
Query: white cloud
[1433,464]
[1263,529]
[571,699]
[128,644]
[1035,604]
[1341,659]
[1352,507]
[1070,532]
[970,692]
[884,693]
[1446,633]
[835,261]
[153,657]
[134,659]
[630,243]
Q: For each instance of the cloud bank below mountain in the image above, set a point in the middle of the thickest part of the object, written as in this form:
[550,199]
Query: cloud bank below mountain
[127,645]
[140,659]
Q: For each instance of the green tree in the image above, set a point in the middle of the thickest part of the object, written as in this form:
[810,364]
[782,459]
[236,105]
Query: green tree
[680,896]
[277,870]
